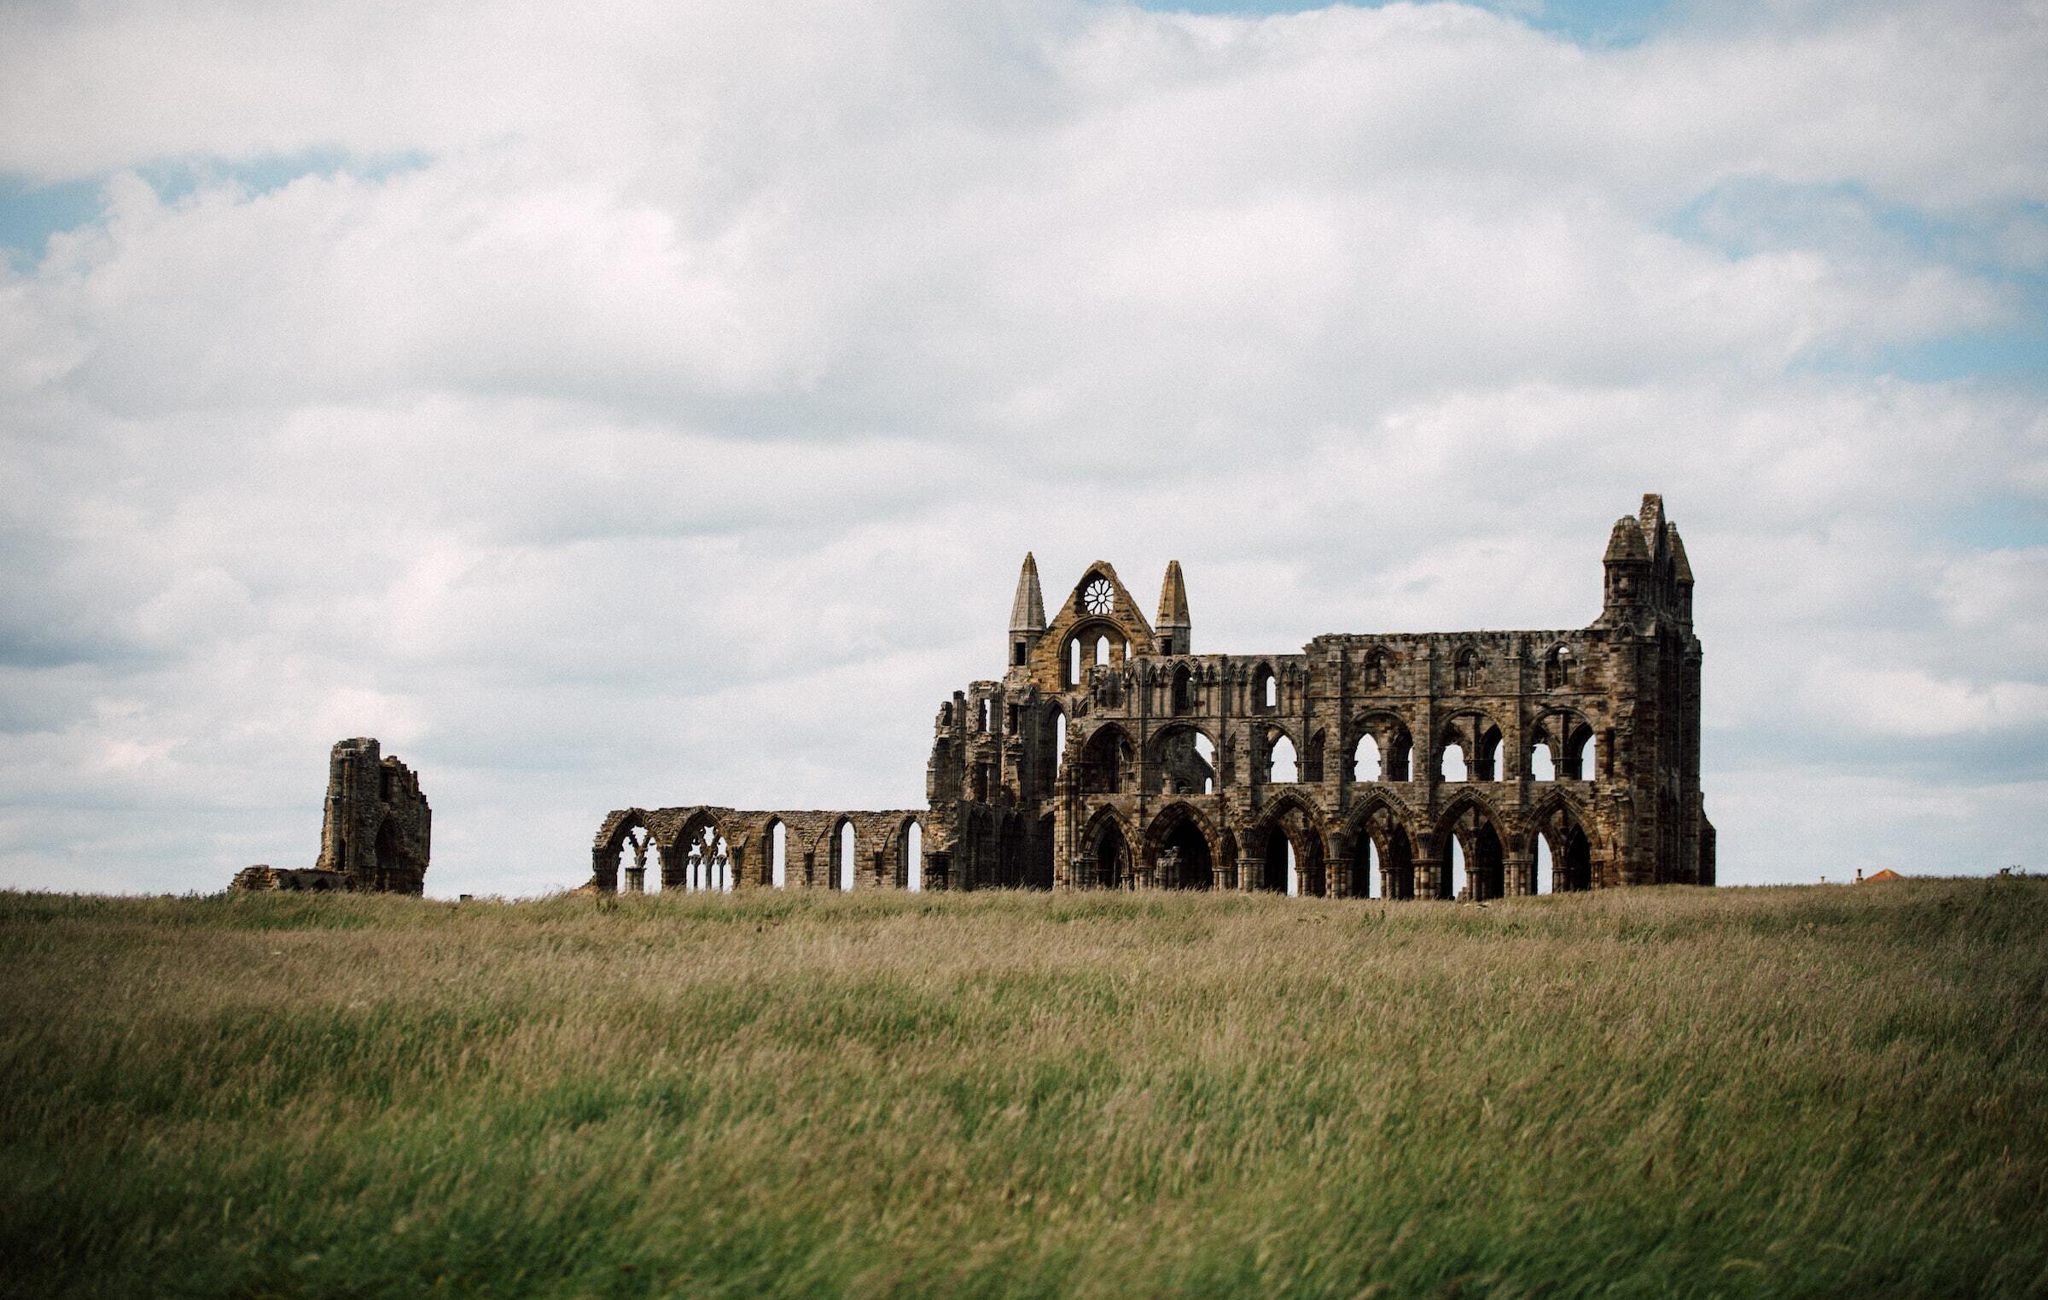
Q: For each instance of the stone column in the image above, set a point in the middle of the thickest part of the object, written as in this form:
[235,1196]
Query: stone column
[1246,875]
[1429,875]
[1518,872]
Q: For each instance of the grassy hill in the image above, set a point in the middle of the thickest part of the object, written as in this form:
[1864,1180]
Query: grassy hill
[1656,1092]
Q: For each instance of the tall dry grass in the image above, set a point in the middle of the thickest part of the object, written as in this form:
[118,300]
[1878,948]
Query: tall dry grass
[1763,1092]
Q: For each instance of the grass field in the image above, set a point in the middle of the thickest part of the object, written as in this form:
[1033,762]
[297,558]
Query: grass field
[1656,1092]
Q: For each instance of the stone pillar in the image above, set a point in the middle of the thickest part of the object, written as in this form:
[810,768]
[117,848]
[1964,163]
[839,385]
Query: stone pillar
[1429,875]
[1337,871]
[636,875]
[1518,874]
[1249,869]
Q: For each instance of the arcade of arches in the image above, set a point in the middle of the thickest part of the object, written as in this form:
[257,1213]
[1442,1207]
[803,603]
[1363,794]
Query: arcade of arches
[1109,755]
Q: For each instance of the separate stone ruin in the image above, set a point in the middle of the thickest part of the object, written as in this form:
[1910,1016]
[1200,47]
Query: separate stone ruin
[375,835]
[1110,755]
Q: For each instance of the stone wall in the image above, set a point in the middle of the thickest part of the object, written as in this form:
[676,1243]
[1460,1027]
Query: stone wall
[377,828]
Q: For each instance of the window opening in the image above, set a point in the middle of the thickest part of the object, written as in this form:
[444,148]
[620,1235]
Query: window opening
[1365,760]
[1281,766]
[1452,768]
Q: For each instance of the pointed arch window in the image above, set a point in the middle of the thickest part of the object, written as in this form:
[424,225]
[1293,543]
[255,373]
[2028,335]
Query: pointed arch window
[1557,668]
[1466,671]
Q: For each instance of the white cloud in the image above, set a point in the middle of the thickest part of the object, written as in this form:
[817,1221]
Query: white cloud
[1910,702]
[670,424]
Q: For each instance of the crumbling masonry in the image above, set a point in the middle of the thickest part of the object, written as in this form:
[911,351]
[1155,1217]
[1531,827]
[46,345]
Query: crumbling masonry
[1111,756]
[375,834]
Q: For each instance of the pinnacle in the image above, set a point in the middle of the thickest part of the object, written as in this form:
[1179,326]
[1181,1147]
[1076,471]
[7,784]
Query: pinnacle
[1173,599]
[1027,611]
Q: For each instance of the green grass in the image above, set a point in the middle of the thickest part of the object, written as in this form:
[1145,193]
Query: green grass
[1654,1092]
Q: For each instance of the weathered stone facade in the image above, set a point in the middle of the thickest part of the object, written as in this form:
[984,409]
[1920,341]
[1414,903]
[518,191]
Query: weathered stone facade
[1109,755]
[376,832]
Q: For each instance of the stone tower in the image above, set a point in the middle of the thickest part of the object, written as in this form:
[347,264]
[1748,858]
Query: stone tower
[377,829]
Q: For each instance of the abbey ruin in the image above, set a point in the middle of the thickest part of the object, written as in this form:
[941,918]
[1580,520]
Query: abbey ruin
[376,831]
[1110,755]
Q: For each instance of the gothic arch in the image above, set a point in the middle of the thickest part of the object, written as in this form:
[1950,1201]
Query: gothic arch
[1267,736]
[1566,733]
[1390,736]
[1112,862]
[900,850]
[1389,826]
[765,873]
[1263,682]
[1300,825]
[1181,848]
[1175,755]
[1562,825]
[1466,667]
[1558,662]
[1478,737]
[1373,673]
[1107,758]
[701,856]
[1477,825]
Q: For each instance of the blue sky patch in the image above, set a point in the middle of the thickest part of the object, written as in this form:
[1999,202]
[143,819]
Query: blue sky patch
[30,213]
[1589,22]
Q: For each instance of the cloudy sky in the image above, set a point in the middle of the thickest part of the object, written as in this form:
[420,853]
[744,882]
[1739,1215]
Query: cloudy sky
[603,404]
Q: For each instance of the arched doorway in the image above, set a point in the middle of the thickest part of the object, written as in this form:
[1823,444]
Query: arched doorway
[1475,861]
[910,856]
[1182,854]
[1560,831]
[1112,854]
[844,842]
[1291,861]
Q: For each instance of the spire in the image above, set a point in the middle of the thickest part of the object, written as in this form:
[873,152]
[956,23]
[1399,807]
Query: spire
[1027,612]
[1175,628]
[1681,568]
[1173,598]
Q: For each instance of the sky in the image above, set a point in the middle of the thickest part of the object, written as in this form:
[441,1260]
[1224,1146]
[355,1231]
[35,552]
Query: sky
[612,405]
